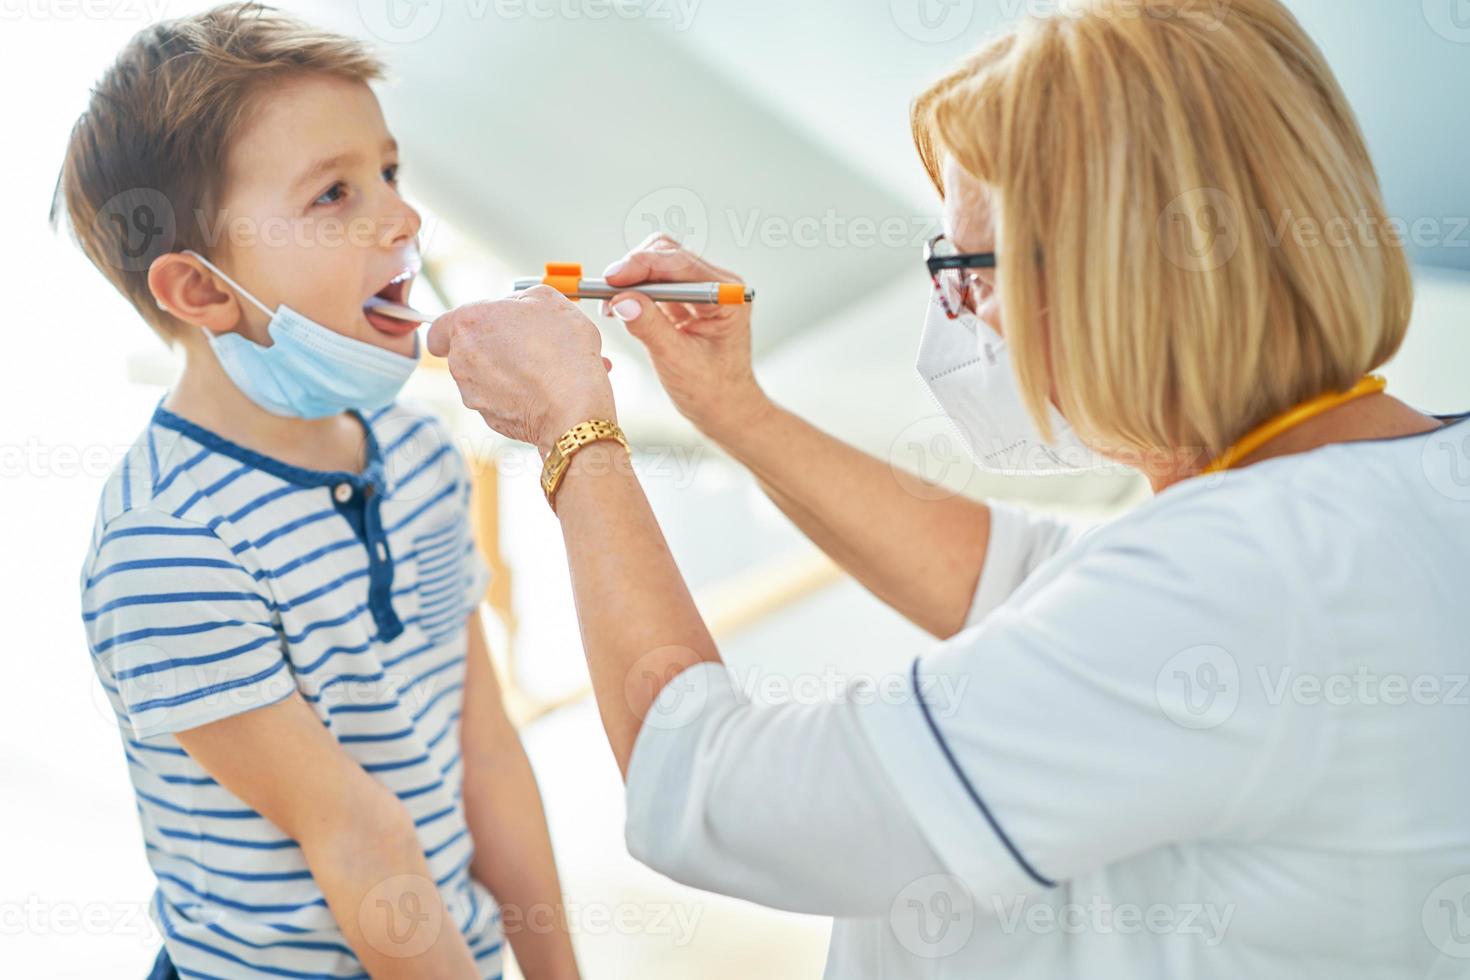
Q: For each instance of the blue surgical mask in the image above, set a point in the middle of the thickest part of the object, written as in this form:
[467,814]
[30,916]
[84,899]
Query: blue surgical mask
[308,371]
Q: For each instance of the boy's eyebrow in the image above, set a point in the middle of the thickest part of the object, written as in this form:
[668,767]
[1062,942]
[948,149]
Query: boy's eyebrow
[325,166]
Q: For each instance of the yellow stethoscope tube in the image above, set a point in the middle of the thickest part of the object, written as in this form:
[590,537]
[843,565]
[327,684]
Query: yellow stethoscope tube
[1253,440]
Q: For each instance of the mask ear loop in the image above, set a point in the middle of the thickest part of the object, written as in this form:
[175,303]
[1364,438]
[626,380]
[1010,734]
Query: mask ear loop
[238,288]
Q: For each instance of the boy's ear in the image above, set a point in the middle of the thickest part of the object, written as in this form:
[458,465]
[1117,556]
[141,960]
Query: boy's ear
[187,291]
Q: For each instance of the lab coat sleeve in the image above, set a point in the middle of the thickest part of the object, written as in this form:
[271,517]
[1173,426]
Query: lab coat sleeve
[1019,541]
[785,805]
[1118,702]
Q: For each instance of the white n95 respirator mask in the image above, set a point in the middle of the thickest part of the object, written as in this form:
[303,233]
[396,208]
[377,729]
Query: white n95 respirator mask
[309,371]
[966,366]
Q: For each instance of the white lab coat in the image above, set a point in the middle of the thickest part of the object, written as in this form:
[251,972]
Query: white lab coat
[1221,736]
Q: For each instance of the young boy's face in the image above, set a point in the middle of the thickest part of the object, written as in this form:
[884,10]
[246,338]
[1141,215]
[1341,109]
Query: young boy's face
[311,215]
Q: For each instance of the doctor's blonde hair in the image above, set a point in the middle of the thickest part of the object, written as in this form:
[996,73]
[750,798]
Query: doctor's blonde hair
[1191,233]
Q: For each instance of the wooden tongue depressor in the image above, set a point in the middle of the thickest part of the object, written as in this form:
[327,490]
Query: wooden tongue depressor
[397,310]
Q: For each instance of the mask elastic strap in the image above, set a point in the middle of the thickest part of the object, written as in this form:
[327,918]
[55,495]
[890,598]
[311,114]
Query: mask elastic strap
[238,288]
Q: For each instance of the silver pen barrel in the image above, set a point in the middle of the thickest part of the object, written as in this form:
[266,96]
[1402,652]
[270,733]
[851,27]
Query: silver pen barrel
[659,292]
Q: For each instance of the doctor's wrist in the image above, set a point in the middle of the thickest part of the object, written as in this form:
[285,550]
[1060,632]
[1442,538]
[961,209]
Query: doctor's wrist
[558,422]
[740,416]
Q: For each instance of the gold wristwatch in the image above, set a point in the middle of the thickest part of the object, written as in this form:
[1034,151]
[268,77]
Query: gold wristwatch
[579,435]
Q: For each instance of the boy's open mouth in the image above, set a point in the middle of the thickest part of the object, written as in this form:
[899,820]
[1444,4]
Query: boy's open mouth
[396,292]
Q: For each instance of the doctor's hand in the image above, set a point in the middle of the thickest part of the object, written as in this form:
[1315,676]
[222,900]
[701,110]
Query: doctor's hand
[530,364]
[700,351]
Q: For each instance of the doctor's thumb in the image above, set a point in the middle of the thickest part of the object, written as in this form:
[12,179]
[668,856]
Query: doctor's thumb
[643,319]
[438,338]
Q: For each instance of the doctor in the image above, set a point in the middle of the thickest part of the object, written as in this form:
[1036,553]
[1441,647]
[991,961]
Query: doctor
[1220,736]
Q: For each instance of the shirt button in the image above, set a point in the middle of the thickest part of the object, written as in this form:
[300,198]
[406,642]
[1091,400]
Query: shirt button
[343,492]
[382,551]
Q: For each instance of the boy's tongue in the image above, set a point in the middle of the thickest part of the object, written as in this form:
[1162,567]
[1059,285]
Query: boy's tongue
[391,318]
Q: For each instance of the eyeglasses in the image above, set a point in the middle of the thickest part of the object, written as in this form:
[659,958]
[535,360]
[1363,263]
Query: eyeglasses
[950,270]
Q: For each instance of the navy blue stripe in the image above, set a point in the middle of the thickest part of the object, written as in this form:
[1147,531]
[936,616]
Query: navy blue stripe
[448,724]
[186,811]
[152,462]
[132,532]
[195,695]
[232,958]
[453,662]
[409,655]
[254,845]
[375,737]
[409,794]
[188,630]
[290,526]
[231,903]
[203,658]
[325,588]
[436,699]
[419,511]
[422,465]
[331,652]
[312,556]
[375,676]
[390,766]
[210,490]
[167,777]
[258,876]
[408,434]
[353,649]
[282,491]
[970,789]
[141,563]
[160,749]
[362,709]
[431,817]
[453,838]
[183,467]
[166,597]
[459,867]
[219,930]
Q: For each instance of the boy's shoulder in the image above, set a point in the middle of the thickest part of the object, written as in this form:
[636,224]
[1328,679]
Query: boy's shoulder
[178,479]
[151,476]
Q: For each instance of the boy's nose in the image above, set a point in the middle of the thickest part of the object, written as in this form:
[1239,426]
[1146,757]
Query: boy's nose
[401,227]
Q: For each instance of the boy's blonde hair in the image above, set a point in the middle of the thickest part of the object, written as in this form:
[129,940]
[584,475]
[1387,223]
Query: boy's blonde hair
[147,160]
[1154,167]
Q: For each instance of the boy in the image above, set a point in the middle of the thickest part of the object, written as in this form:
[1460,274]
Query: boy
[281,589]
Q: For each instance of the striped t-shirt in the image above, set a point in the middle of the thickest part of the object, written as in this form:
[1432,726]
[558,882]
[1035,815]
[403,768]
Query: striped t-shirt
[220,580]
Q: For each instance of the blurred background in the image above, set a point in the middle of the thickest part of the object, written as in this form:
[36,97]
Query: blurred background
[772,136]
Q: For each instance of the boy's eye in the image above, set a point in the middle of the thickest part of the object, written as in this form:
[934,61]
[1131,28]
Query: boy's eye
[390,173]
[332,194]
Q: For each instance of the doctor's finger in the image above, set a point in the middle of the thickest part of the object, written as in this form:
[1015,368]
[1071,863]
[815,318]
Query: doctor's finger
[441,332]
[664,261]
[645,320]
